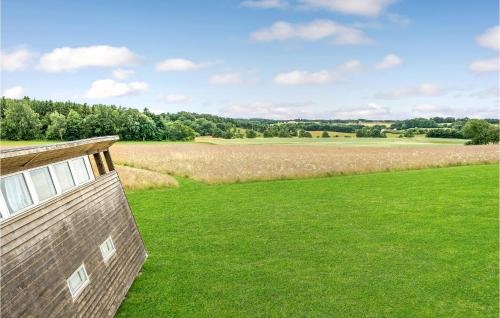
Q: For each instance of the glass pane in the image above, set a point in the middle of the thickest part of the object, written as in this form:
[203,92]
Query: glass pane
[107,248]
[43,183]
[15,193]
[77,280]
[64,176]
[80,170]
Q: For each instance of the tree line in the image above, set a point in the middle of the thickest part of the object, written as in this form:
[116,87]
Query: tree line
[26,119]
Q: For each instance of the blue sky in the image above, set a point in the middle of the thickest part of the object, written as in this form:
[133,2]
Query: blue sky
[378,59]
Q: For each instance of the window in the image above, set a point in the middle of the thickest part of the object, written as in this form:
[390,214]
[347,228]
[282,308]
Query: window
[15,192]
[107,249]
[80,170]
[63,174]
[31,187]
[77,281]
[42,181]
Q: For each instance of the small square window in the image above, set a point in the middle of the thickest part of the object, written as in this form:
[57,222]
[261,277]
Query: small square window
[107,248]
[77,281]
[42,181]
[63,174]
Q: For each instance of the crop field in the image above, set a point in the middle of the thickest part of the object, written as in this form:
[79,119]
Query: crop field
[420,243]
[234,163]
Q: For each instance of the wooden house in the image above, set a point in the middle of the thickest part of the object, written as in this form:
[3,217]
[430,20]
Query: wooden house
[69,243]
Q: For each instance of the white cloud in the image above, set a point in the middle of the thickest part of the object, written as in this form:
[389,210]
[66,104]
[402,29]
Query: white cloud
[484,112]
[270,110]
[123,74]
[264,4]
[300,77]
[350,66]
[15,60]
[15,92]
[70,59]
[486,65]
[490,38]
[429,110]
[179,65]
[305,78]
[226,79]
[110,88]
[171,98]
[312,31]
[419,90]
[390,60]
[486,93]
[369,8]
[370,111]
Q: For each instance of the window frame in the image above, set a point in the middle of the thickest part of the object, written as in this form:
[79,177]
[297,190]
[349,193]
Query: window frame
[4,211]
[75,294]
[53,170]
[112,251]
[86,164]
[51,176]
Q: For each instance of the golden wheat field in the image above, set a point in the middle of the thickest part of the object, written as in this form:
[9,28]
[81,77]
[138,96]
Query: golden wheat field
[229,163]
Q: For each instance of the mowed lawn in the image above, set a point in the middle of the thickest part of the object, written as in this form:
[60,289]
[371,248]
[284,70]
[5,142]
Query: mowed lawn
[420,243]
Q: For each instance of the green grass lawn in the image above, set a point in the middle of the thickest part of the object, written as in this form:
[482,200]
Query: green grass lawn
[418,243]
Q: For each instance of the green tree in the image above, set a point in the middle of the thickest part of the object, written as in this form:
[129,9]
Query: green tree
[135,125]
[480,132]
[250,133]
[204,127]
[102,122]
[57,127]
[21,122]
[268,133]
[304,134]
[177,131]
[325,134]
[409,133]
[74,126]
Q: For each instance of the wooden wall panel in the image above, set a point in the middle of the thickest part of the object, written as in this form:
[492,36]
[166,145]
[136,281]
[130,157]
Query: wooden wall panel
[41,248]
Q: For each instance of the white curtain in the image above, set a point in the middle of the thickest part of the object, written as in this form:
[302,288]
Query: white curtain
[64,176]
[43,183]
[80,169]
[16,193]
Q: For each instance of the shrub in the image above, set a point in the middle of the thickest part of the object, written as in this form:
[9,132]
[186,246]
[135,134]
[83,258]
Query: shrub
[325,134]
[250,133]
[444,133]
[409,133]
[304,134]
[375,132]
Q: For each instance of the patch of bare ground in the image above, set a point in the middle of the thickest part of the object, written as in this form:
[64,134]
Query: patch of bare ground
[227,163]
[139,179]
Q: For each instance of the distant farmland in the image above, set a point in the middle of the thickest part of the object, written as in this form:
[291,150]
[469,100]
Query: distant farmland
[232,163]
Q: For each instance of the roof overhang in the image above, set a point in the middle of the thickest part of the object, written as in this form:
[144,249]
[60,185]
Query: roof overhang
[18,159]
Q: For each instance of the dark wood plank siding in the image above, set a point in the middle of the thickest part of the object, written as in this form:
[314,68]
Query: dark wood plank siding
[41,248]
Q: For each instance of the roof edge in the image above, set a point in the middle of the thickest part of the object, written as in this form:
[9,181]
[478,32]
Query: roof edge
[19,151]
